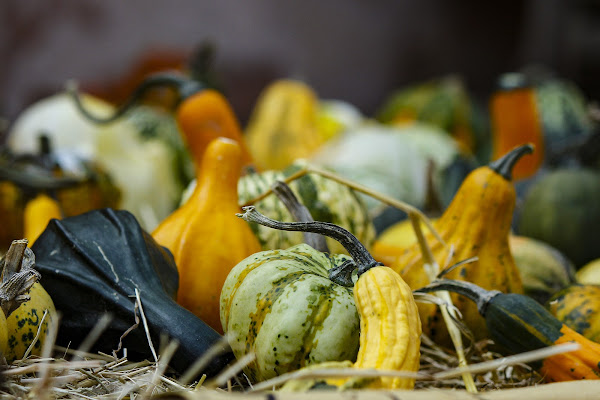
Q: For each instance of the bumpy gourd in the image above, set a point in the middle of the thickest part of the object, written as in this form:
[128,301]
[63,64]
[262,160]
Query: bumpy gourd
[204,235]
[519,324]
[390,328]
[327,201]
[23,302]
[476,224]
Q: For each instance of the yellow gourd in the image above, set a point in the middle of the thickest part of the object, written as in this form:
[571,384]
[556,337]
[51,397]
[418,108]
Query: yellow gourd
[38,212]
[23,303]
[205,236]
[283,125]
[476,224]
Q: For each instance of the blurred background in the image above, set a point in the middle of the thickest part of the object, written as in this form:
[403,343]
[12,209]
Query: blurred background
[354,50]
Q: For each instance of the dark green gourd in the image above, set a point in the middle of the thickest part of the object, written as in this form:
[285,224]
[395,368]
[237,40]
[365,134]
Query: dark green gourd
[92,264]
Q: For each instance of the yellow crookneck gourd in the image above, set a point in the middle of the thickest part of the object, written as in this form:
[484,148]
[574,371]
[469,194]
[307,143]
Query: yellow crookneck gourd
[283,125]
[204,234]
[477,223]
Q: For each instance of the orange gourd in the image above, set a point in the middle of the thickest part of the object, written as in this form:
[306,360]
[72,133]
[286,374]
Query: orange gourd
[515,120]
[205,236]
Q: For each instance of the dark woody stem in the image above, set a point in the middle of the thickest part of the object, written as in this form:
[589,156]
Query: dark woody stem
[362,258]
[477,294]
[504,165]
[300,214]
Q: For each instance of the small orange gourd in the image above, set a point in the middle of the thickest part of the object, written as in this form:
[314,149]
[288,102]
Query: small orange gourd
[205,236]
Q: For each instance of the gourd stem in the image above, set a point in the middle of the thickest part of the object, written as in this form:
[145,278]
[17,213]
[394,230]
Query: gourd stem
[477,294]
[363,259]
[504,165]
[18,276]
[185,87]
[300,214]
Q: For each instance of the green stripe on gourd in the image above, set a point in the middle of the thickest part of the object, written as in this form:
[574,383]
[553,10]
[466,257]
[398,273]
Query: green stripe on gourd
[281,305]
[327,201]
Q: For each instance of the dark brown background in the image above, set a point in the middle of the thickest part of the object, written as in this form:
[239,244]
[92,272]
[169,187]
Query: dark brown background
[355,50]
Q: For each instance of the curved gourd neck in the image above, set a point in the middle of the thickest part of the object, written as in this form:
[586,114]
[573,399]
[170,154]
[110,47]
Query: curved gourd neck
[505,164]
[219,172]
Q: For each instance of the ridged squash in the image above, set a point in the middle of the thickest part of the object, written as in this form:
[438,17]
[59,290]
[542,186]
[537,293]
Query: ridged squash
[281,305]
[327,201]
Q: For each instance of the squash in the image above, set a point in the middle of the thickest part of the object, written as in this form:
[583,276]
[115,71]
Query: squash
[515,120]
[544,270]
[589,274]
[282,306]
[99,263]
[283,125]
[578,307]
[23,303]
[325,199]
[389,321]
[476,224]
[519,324]
[205,236]
[561,209]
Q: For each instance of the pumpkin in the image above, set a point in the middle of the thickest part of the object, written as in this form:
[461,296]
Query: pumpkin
[519,324]
[561,209]
[99,263]
[389,321]
[544,270]
[476,224]
[578,307]
[283,125]
[205,236]
[325,199]
[24,302]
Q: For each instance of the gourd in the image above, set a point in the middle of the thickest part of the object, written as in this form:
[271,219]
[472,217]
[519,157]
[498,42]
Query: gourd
[578,307]
[389,321]
[138,151]
[283,125]
[589,273]
[37,213]
[476,224]
[325,199]
[23,302]
[281,305]
[519,324]
[77,186]
[561,209]
[544,270]
[515,120]
[443,102]
[205,236]
[101,262]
